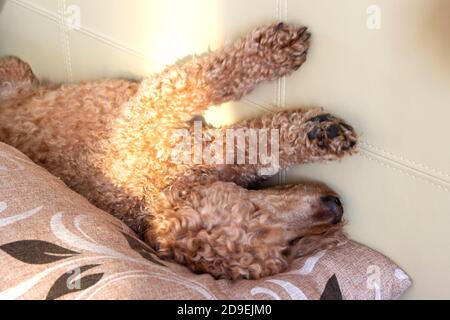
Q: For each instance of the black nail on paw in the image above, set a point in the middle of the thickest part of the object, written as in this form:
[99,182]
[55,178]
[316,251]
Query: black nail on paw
[346,126]
[279,26]
[321,118]
[306,36]
[333,131]
[349,145]
[302,30]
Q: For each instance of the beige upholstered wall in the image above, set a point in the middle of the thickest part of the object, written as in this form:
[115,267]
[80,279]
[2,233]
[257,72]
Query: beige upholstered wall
[392,83]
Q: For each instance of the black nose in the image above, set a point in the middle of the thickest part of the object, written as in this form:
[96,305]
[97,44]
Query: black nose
[334,205]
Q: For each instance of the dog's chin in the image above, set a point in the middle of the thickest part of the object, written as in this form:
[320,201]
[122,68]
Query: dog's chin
[319,238]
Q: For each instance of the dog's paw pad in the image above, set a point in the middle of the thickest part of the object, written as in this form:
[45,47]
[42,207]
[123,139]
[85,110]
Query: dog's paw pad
[333,131]
[331,134]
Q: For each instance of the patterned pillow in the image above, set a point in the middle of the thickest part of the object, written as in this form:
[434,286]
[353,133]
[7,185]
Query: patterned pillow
[55,245]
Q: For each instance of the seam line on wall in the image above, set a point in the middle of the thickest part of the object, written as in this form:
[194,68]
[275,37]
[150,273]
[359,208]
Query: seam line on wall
[405,167]
[83,30]
[411,168]
[417,166]
[399,167]
[65,40]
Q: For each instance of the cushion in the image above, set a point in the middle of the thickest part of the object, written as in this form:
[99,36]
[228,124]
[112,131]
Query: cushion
[55,245]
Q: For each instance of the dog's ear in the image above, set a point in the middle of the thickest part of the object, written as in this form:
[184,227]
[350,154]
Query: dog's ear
[3,132]
[320,238]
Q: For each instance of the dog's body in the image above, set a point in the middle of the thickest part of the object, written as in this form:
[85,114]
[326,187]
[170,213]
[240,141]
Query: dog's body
[109,141]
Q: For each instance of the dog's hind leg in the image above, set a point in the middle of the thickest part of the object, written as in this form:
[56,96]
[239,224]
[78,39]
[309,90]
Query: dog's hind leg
[186,89]
[259,148]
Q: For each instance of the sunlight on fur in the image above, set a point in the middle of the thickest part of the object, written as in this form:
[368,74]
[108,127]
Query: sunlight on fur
[110,141]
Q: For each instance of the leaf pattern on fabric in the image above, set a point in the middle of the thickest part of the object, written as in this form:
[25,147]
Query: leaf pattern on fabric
[37,252]
[71,282]
[144,250]
[401,275]
[18,217]
[332,290]
[310,264]
[264,291]
[9,164]
[294,292]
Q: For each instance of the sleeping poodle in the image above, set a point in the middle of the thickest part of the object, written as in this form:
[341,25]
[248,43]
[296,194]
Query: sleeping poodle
[113,142]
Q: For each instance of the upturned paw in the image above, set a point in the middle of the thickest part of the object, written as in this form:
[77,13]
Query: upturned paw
[284,47]
[330,135]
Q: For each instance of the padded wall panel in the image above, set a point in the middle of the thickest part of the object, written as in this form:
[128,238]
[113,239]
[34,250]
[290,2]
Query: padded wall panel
[33,37]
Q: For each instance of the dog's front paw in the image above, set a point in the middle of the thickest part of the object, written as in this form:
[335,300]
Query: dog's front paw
[329,135]
[283,47]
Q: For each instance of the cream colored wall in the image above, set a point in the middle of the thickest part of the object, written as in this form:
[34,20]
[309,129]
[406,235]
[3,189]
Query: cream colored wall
[393,84]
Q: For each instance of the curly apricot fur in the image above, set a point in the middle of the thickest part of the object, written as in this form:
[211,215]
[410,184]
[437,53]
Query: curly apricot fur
[107,140]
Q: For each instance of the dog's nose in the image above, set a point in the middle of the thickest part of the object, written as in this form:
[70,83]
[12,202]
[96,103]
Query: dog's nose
[334,205]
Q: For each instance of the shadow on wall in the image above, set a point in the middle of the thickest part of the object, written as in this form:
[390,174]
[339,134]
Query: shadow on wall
[2,4]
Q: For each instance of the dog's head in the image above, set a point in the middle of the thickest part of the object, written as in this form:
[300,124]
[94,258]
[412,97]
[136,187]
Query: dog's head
[313,216]
[239,233]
